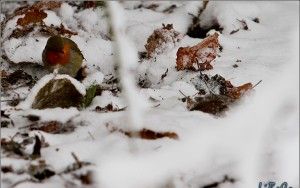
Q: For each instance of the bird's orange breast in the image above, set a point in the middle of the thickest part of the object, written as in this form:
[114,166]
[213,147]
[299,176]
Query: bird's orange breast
[62,58]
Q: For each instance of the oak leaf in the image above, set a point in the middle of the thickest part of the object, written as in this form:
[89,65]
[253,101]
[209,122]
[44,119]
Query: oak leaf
[198,57]
[161,40]
[32,16]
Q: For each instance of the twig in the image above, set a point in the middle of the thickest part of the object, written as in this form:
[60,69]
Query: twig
[210,91]
[22,181]
[164,75]
[156,106]
[76,159]
[183,94]
[257,83]
[93,138]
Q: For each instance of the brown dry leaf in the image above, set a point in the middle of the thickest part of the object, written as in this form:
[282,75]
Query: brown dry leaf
[85,178]
[152,135]
[159,40]
[198,57]
[215,94]
[53,127]
[47,5]
[39,5]
[237,92]
[144,133]
[43,29]
[12,148]
[212,104]
[16,79]
[50,127]
[32,16]
[56,30]
[108,108]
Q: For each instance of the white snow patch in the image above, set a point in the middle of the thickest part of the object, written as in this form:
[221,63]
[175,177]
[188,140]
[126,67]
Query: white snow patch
[27,49]
[54,114]
[107,98]
[87,18]
[93,79]
[66,11]
[51,19]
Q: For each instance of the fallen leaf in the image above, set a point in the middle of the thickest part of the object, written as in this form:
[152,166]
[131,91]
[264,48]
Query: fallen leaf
[85,178]
[40,171]
[16,79]
[108,108]
[212,104]
[237,92]
[12,147]
[38,5]
[198,57]
[161,40]
[32,16]
[61,30]
[215,94]
[53,127]
[6,169]
[152,135]
[144,133]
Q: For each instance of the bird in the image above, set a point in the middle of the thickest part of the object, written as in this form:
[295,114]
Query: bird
[62,56]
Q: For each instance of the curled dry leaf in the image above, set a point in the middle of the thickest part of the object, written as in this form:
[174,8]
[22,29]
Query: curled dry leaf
[53,127]
[144,133]
[198,57]
[152,135]
[237,92]
[161,40]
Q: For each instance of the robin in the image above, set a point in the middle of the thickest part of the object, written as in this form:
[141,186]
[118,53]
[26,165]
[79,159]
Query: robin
[62,56]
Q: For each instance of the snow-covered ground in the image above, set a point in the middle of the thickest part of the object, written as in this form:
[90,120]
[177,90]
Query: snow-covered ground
[256,139]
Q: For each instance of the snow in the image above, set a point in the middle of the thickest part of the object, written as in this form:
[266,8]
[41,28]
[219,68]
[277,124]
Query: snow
[10,26]
[88,18]
[257,139]
[66,11]
[93,79]
[107,98]
[229,20]
[52,19]
[54,114]
[25,49]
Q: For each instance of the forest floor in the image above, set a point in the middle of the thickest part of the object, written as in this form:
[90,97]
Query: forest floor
[233,123]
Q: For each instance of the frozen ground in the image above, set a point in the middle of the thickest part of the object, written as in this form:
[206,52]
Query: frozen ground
[257,139]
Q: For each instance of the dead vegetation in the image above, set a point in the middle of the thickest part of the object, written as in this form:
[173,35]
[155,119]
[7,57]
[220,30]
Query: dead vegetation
[198,57]
[158,40]
[146,134]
